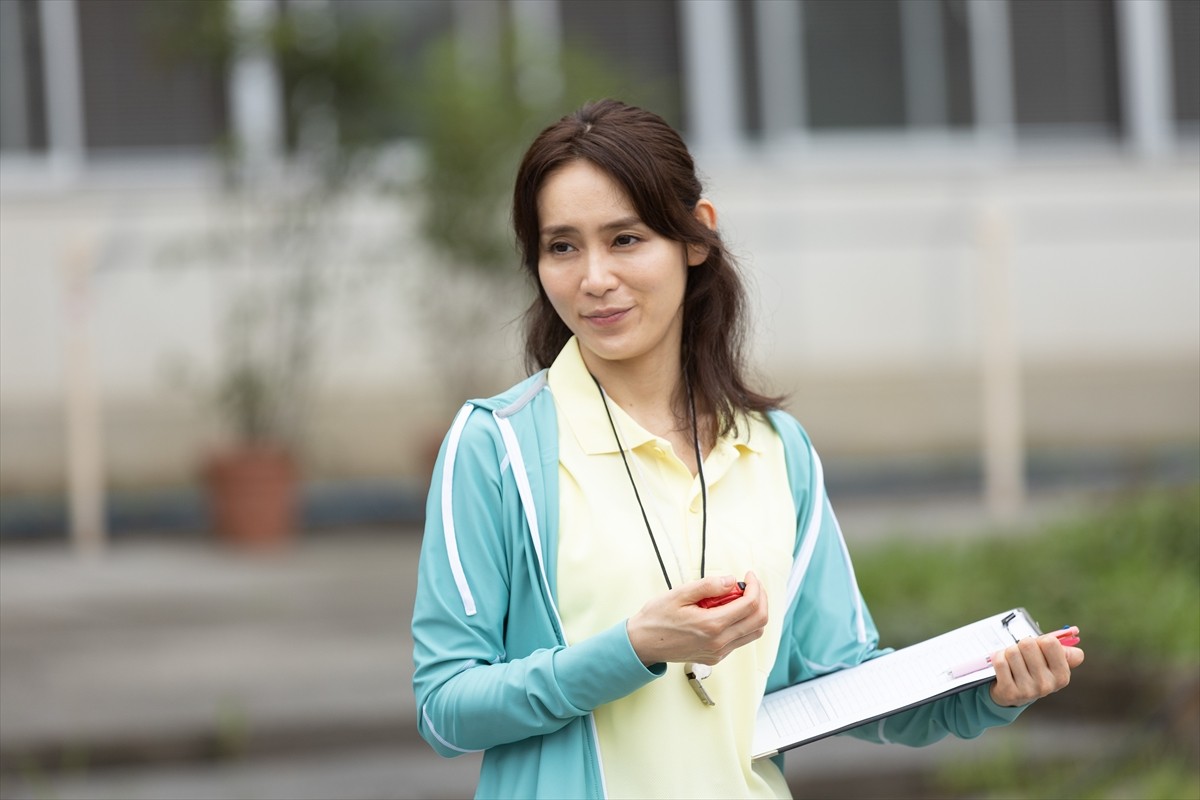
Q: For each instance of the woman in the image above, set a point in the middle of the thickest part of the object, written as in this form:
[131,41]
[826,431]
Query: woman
[576,522]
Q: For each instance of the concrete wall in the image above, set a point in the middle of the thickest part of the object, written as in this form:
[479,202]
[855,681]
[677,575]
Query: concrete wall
[872,301]
[866,274]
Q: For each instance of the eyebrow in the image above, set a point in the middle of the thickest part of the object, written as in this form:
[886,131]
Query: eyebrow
[623,222]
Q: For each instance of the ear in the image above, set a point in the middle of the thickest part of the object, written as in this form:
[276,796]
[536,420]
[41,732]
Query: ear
[706,213]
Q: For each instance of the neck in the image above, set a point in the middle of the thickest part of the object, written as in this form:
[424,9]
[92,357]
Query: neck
[647,396]
[642,389]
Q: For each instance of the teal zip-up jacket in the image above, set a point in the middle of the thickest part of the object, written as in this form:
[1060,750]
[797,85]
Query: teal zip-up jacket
[493,669]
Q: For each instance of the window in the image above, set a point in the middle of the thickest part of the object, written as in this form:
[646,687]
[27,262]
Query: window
[639,36]
[141,88]
[1065,67]
[854,64]
[751,77]
[1185,60]
[22,92]
[887,64]
[960,99]
[405,30]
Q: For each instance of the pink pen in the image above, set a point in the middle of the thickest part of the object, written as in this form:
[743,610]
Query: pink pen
[1069,636]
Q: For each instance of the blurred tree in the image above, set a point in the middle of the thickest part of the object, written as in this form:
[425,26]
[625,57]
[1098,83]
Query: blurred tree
[475,108]
[281,230]
[478,109]
[280,241]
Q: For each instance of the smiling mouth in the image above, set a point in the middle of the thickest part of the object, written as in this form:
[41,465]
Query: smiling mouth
[606,316]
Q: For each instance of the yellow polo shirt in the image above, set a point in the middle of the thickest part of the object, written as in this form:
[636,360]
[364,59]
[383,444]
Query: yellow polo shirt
[661,741]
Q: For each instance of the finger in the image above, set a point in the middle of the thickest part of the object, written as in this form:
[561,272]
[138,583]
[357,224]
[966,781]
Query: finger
[1055,674]
[1067,637]
[712,586]
[1004,690]
[1046,664]
[1032,654]
[1000,664]
[1074,656]
[749,611]
[747,628]
[1056,657]
[760,593]
[1017,659]
[754,587]
[741,641]
[1013,685]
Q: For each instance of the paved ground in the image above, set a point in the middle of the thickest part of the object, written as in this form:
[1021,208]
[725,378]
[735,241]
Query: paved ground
[180,670]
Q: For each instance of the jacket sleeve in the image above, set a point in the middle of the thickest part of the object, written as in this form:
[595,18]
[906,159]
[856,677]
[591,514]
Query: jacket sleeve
[471,694]
[829,627]
[965,715]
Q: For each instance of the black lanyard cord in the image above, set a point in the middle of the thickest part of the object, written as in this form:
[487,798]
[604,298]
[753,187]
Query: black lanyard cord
[700,474]
[638,496]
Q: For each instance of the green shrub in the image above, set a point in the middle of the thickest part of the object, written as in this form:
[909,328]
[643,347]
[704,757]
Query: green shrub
[1128,574]
[1015,775]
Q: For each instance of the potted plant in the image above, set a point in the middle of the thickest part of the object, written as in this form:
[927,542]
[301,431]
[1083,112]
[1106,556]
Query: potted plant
[252,481]
[278,234]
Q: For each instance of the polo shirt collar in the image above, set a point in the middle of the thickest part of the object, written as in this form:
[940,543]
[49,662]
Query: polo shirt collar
[580,404]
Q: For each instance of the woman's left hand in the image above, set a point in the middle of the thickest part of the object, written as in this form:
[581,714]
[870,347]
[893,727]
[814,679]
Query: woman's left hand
[1033,668]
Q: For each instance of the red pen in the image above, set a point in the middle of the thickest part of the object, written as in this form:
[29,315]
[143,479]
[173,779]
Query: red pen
[1069,636]
[720,600]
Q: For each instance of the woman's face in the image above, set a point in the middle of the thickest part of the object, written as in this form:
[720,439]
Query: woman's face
[616,283]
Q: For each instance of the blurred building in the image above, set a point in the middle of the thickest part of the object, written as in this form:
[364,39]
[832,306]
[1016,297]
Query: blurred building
[911,183]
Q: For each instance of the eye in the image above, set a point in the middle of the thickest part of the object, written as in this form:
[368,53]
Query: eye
[559,248]
[625,240]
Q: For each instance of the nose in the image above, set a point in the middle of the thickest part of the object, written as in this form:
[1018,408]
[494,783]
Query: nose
[599,278]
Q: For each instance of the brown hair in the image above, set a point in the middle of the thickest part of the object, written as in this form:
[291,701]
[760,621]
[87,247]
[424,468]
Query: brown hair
[649,160]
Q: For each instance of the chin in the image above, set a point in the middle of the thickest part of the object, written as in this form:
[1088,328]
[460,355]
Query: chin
[608,350]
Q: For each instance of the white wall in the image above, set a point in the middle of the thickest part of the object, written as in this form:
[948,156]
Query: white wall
[866,277]
[868,269]
[870,296]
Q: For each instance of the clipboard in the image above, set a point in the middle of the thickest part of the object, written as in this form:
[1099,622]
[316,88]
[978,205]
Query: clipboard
[883,686]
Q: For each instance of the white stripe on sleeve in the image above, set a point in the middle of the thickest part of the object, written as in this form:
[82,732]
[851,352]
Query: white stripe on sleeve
[859,617]
[439,737]
[811,530]
[456,568]
[517,461]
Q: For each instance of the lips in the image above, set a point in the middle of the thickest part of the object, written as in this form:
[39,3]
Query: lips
[606,316]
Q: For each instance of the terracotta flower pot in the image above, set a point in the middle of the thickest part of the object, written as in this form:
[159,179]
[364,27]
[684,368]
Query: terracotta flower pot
[252,493]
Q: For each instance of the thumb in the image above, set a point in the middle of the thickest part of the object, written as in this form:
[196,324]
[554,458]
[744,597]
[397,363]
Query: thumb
[712,586]
[1074,657]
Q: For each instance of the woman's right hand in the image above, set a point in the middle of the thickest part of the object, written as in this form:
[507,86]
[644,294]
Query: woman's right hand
[672,628]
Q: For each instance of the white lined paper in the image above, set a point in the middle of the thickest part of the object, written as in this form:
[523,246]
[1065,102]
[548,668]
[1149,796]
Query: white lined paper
[882,686]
